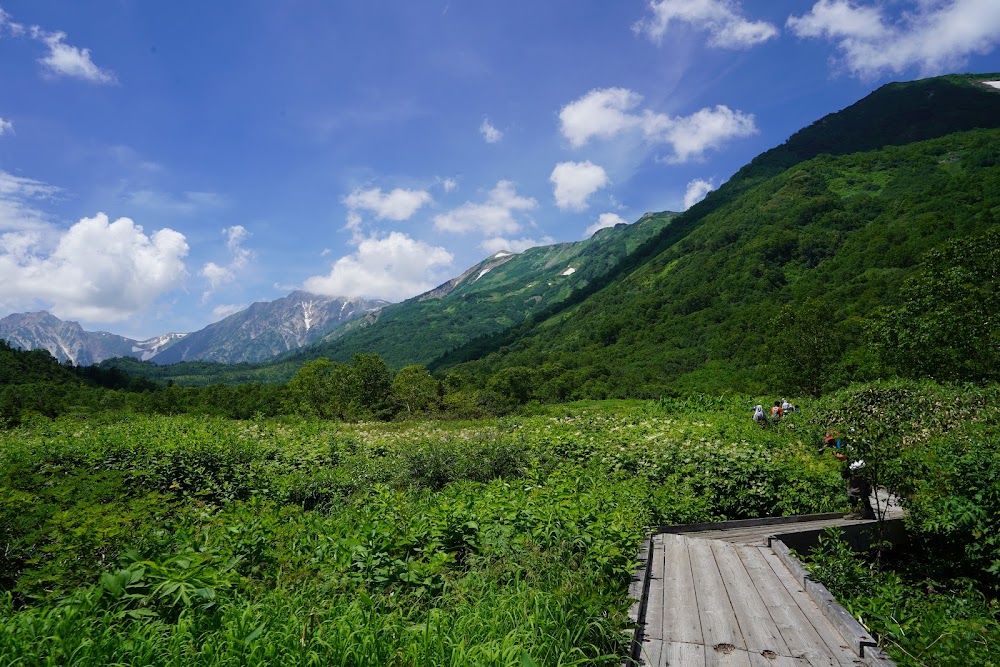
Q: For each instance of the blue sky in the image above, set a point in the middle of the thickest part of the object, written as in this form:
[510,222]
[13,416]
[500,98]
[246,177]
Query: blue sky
[165,164]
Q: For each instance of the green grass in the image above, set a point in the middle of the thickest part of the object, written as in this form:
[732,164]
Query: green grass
[201,541]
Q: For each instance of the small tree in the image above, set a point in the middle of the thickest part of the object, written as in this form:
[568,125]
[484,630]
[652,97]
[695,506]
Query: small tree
[805,346]
[372,385]
[415,389]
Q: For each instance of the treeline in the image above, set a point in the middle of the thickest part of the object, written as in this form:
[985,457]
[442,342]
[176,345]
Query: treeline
[33,383]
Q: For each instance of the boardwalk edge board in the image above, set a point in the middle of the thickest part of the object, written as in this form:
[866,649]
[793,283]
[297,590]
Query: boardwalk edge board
[744,523]
[638,590]
[846,624]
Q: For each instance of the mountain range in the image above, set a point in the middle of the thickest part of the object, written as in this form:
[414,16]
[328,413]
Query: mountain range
[488,297]
[775,279]
[254,334]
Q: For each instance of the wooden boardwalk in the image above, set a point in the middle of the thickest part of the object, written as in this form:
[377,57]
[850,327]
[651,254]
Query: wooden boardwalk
[723,596]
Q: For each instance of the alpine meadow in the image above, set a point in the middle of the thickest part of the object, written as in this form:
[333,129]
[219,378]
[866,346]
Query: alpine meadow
[390,466]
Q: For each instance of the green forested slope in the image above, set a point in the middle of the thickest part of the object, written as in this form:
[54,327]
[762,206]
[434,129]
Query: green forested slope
[790,269]
[770,280]
[420,329]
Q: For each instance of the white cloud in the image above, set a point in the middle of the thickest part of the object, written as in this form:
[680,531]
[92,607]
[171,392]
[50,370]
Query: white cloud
[721,18]
[494,216]
[18,211]
[98,271]
[399,204]
[222,311]
[934,35]
[490,134]
[5,127]
[696,191]
[690,136]
[9,26]
[604,220]
[449,184]
[218,275]
[186,204]
[495,245]
[608,112]
[575,181]
[395,267]
[603,113]
[65,60]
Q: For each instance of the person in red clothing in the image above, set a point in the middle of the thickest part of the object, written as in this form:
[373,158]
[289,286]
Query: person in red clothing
[776,412]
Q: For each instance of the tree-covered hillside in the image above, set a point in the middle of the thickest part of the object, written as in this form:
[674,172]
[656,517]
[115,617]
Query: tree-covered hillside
[771,281]
[791,270]
[490,298]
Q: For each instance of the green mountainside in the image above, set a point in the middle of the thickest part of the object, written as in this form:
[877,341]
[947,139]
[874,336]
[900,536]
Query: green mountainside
[493,295]
[500,291]
[777,276]
[774,280]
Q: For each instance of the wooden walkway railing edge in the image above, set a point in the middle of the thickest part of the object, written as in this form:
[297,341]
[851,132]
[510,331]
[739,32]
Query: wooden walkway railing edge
[866,647]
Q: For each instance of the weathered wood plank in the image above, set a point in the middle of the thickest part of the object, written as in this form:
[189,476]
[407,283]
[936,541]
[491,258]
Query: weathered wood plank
[651,656]
[681,621]
[836,644]
[743,523]
[656,602]
[760,660]
[797,631]
[718,622]
[680,654]
[758,629]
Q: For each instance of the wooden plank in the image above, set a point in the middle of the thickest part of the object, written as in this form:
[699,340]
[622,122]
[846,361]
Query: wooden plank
[758,630]
[760,660]
[651,655]
[837,644]
[656,602]
[681,622]
[680,654]
[718,622]
[743,523]
[848,626]
[797,631]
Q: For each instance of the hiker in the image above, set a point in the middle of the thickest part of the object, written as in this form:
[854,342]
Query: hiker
[787,407]
[859,489]
[759,417]
[776,412]
[831,439]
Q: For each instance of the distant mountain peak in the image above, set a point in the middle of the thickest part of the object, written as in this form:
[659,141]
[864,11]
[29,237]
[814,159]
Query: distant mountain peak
[68,341]
[268,328]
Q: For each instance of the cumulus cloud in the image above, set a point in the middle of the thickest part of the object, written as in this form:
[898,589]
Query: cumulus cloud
[575,181]
[722,19]
[604,220]
[608,112]
[934,36]
[395,267]
[496,244]
[239,257]
[6,127]
[449,184]
[99,270]
[696,191]
[70,61]
[493,217]
[490,134]
[399,204]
